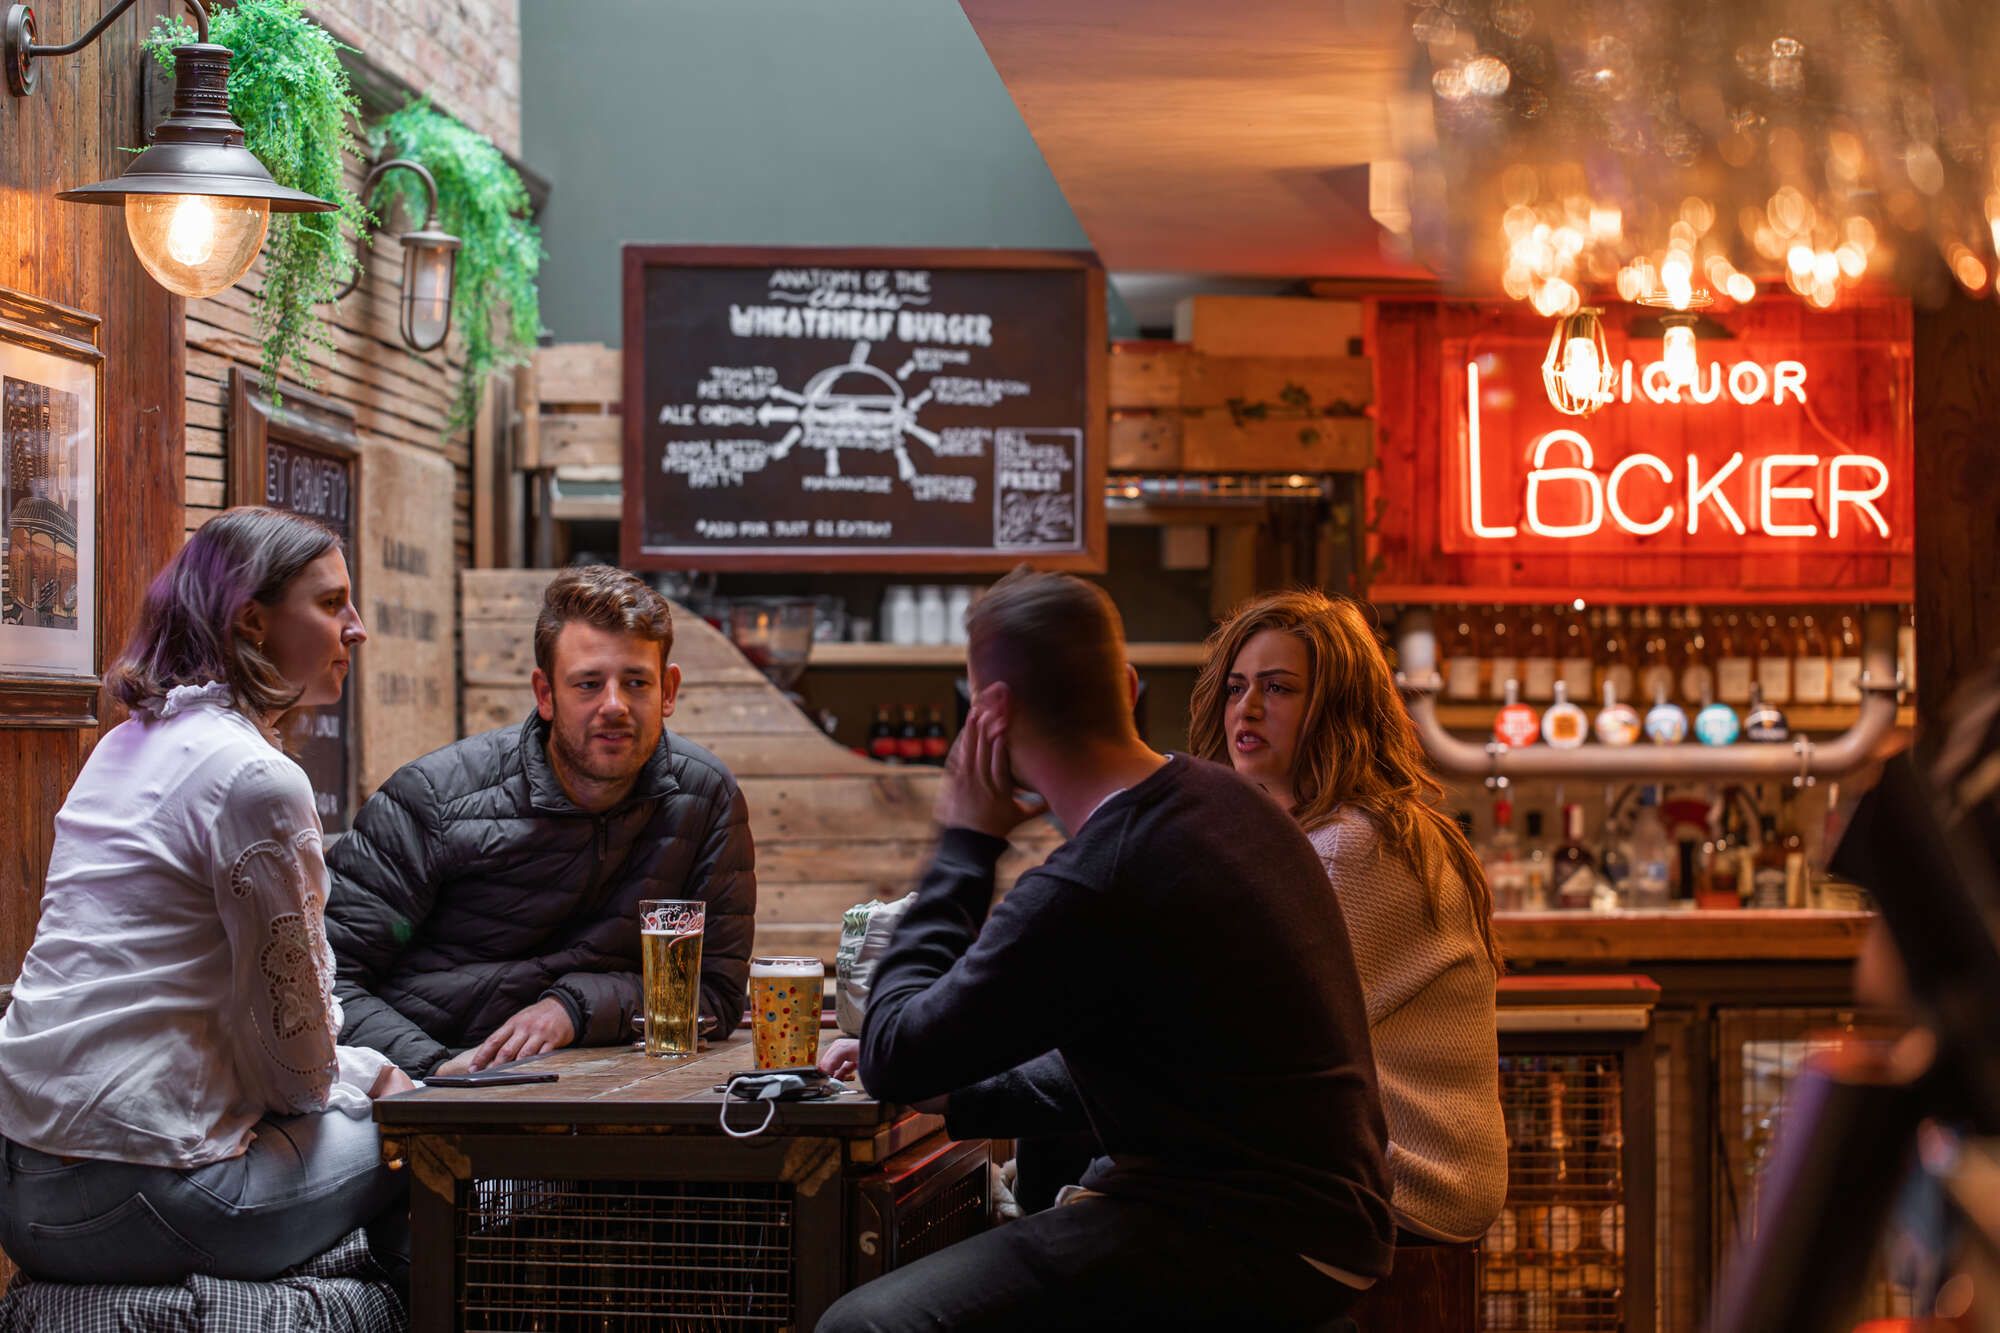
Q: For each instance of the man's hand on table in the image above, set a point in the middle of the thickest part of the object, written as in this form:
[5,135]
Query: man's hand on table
[543,1026]
[842,1059]
[978,790]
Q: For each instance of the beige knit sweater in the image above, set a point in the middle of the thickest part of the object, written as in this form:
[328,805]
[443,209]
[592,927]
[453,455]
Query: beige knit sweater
[1429,991]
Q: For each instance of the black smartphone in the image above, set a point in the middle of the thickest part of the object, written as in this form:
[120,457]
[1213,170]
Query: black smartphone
[489,1078]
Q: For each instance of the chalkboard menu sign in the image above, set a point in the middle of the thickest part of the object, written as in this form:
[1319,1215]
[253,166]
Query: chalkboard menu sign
[863,409]
[306,455]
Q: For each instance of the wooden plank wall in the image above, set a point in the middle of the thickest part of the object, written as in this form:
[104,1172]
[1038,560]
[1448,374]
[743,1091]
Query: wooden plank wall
[399,397]
[832,828]
[414,504]
[71,131]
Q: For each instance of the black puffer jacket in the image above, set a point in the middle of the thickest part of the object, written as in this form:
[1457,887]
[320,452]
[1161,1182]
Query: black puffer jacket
[471,887]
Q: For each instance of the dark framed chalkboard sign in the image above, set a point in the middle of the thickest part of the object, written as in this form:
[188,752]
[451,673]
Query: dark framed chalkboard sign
[894,410]
[304,455]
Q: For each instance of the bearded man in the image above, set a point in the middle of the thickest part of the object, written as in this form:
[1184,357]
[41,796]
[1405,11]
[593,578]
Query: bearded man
[485,906]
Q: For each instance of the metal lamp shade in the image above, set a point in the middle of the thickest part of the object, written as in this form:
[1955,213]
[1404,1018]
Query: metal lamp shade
[430,263]
[197,201]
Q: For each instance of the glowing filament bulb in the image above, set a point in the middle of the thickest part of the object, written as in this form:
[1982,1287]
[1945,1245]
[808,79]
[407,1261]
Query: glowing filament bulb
[1580,370]
[1679,356]
[191,232]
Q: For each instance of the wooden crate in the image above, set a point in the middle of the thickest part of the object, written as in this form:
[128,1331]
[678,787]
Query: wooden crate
[572,397]
[1177,407]
[1268,326]
[832,828]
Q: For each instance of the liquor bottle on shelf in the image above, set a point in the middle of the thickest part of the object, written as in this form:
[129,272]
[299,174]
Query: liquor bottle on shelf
[1765,723]
[1505,874]
[1538,658]
[1656,675]
[1650,853]
[1697,675]
[1461,656]
[1617,723]
[1573,665]
[1564,726]
[1516,724]
[1666,721]
[1735,669]
[1716,723]
[1572,877]
[909,738]
[1502,653]
[1721,862]
[1798,874]
[1767,875]
[1844,660]
[1774,660]
[1535,867]
[882,737]
[1614,655]
[1615,861]
[1812,669]
[936,744]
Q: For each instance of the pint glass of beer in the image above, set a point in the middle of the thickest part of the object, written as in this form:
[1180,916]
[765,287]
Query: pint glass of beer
[784,1010]
[670,946]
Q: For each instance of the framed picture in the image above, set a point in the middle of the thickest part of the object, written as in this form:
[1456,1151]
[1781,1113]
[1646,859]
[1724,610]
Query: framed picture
[304,456]
[50,417]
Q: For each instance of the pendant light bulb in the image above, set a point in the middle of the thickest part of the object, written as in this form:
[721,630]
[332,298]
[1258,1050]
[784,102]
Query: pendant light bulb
[1577,372]
[1679,353]
[1580,367]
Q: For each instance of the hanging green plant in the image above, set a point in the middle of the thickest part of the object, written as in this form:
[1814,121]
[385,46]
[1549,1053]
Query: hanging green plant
[289,93]
[482,201]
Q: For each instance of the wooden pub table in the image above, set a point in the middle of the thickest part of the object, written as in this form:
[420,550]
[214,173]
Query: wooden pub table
[611,1199]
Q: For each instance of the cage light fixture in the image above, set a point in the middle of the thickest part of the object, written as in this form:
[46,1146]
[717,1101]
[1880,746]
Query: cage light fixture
[1578,373]
[197,202]
[430,262]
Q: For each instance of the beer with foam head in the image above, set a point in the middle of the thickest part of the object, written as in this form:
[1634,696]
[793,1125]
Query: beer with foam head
[670,954]
[784,1010]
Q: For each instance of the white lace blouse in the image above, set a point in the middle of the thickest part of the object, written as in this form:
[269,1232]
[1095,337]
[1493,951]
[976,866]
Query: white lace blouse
[180,986]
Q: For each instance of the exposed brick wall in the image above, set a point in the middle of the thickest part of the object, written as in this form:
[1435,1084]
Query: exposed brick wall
[465,53]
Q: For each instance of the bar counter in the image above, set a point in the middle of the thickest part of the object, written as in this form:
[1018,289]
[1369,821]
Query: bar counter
[1791,935]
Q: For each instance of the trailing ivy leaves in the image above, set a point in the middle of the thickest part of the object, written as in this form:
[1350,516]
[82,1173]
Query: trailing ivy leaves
[289,93]
[482,201]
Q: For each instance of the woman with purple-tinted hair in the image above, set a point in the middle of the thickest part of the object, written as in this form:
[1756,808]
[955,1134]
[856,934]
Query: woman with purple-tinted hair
[172,1099]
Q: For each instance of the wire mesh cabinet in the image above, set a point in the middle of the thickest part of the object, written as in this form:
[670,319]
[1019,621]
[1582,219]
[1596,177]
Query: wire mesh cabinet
[1572,1249]
[630,1232]
[622,1208]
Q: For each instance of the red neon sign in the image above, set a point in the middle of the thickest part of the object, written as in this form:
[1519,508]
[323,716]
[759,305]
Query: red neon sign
[1771,449]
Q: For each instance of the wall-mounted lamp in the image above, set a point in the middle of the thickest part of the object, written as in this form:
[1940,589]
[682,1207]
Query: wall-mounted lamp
[197,202]
[430,260]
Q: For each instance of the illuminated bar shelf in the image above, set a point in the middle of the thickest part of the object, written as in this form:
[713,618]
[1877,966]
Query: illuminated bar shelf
[1813,718]
[857,656]
[1487,595]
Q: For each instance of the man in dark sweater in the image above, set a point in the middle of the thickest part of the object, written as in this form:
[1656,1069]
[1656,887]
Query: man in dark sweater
[1181,956]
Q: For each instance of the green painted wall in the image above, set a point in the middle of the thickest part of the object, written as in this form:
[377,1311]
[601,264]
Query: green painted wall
[768,122]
